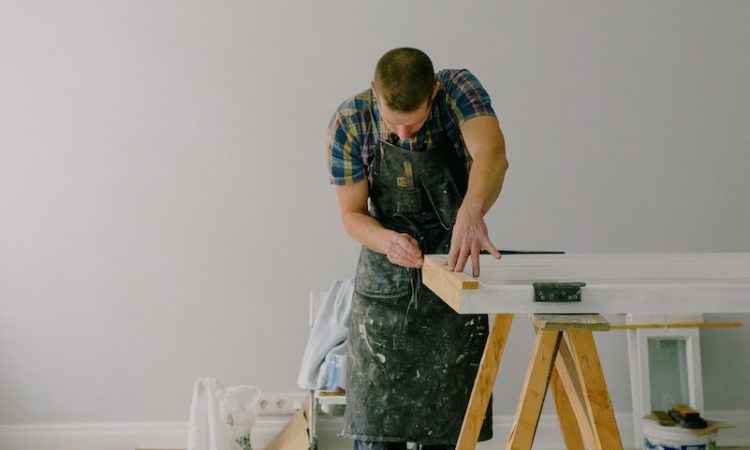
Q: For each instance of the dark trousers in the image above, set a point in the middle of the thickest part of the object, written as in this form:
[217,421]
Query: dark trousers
[364,445]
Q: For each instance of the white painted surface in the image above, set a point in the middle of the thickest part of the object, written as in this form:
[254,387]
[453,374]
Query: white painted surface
[162,220]
[616,283]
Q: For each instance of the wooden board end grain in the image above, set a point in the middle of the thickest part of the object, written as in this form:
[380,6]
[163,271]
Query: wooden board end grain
[458,280]
[446,284]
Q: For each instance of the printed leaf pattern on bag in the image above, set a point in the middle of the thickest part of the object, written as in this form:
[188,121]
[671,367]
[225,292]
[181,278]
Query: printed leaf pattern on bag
[244,442]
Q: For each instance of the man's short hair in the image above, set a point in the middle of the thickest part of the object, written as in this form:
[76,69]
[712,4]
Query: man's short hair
[404,78]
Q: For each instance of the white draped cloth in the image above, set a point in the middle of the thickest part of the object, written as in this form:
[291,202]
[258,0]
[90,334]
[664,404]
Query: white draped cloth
[327,336]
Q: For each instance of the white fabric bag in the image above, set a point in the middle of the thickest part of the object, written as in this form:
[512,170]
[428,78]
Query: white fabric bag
[221,418]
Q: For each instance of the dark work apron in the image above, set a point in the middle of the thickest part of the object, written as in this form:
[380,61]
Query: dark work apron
[412,360]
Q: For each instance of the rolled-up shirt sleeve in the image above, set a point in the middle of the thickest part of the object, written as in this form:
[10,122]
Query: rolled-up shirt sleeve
[345,163]
[465,95]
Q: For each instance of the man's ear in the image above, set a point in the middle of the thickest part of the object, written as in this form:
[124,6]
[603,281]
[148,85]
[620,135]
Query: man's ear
[372,86]
[435,90]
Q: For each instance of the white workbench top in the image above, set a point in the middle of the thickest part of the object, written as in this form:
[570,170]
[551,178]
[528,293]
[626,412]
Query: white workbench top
[643,283]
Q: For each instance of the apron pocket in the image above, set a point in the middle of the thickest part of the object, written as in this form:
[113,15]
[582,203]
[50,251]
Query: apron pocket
[378,278]
[407,200]
[445,200]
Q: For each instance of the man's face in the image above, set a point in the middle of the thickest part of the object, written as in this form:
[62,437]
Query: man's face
[405,124]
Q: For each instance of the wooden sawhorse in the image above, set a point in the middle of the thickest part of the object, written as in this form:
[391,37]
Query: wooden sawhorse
[570,366]
[564,353]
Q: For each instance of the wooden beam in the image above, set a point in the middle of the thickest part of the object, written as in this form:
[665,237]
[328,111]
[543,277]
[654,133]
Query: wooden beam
[485,381]
[566,417]
[636,326]
[594,387]
[446,284]
[562,322]
[616,283]
[458,280]
[534,389]
[565,369]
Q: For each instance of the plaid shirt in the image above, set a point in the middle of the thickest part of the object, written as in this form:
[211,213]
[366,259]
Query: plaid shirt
[352,138]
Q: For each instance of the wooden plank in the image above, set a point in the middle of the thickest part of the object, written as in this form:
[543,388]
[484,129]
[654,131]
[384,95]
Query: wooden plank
[663,318]
[614,266]
[534,389]
[485,381]
[636,326]
[565,415]
[566,370]
[616,283]
[443,289]
[627,297]
[446,284]
[591,376]
[562,322]
[459,280]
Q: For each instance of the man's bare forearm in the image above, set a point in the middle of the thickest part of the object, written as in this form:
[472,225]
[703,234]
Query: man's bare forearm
[365,229]
[485,179]
[485,142]
[399,248]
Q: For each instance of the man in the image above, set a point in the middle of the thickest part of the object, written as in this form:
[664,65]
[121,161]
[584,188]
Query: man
[427,151]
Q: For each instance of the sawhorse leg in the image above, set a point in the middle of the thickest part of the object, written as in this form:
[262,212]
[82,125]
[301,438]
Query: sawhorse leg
[485,381]
[598,403]
[578,374]
[534,389]
[572,412]
[566,415]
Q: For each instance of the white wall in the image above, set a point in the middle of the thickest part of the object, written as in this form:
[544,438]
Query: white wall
[164,205]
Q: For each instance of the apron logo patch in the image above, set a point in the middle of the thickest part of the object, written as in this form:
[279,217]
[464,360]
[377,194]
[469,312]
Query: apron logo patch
[406,180]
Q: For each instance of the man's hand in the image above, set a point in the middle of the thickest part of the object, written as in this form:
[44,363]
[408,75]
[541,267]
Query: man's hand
[404,251]
[486,145]
[469,238]
[399,248]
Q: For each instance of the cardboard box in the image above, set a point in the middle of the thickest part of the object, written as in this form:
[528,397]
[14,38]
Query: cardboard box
[295,434]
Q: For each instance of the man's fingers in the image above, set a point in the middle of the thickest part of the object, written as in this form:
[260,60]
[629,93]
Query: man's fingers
[404,251]
[475,252]
[410,248]
[462,257]
[413,248]
[452,256]
[411,258]
[490,247]
[409,245]
[405,259]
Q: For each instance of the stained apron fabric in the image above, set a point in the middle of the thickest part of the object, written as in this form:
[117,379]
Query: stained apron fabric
[412,360]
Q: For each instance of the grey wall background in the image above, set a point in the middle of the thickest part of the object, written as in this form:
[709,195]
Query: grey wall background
[164,204]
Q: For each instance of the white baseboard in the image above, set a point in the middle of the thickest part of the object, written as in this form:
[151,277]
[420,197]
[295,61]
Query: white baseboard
[172,435]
